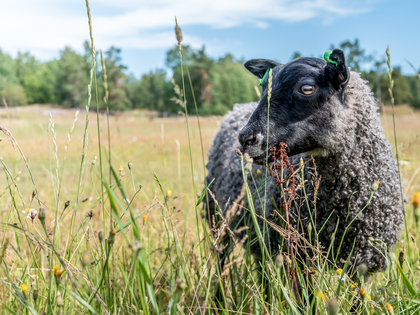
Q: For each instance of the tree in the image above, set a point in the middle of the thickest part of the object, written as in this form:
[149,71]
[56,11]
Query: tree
[152,91]
[36,79]
[231,84]
[72,79]
[296,55]
[10,89]
[199,67]
[117,80]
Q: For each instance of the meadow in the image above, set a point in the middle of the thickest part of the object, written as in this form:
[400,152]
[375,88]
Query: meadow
[157,255]
[102,214]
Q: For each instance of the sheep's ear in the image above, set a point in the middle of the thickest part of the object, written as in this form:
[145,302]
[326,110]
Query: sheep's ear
[336,69]
[258,67]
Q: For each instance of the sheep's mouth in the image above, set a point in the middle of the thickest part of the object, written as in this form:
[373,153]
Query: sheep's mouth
[258,159]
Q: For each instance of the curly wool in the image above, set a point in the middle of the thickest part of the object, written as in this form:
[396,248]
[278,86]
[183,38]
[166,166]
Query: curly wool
[357,156]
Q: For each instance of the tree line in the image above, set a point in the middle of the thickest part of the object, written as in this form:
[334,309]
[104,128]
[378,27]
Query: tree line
[213,85]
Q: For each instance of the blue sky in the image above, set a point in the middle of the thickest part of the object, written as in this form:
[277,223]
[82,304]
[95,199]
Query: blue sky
[273,29]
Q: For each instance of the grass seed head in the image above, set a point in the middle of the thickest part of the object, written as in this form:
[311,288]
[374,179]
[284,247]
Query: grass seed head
[130,165]
[401,257]
[35,295]
[41,214]
[332,306]
[362,270]
[59,299]
[178,32]
[181,285]
[309,228]
[136,246]
[375,186]
[85,259]
[279,261]
[111,237]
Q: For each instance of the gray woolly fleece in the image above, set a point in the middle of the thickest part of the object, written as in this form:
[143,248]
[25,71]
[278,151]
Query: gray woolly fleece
[357,155]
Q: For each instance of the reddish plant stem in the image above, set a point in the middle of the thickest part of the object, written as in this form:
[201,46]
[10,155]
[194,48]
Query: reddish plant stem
[280,161]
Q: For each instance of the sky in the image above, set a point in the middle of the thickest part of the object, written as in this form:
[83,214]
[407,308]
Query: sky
[247,29]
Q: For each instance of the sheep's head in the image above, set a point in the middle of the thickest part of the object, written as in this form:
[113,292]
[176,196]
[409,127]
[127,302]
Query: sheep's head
[306,95]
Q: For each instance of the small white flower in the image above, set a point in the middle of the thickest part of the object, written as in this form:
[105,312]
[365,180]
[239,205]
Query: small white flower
[342,277]
[30,213]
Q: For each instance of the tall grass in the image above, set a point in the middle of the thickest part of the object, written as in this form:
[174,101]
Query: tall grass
[59,259]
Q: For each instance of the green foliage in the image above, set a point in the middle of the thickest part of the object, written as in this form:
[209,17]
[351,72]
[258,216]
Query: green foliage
[231,85]
[296,55]
[152,91]
[117,80]
[215,86]
[72,78]
[14,95]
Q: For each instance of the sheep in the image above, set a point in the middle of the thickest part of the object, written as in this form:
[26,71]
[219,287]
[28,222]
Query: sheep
[320,109]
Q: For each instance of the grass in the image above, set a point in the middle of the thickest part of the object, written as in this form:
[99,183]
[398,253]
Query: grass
[123,234]
[169,234]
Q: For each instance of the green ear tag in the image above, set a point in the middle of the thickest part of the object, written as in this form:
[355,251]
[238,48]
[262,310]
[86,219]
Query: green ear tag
[262,80]
[327,55]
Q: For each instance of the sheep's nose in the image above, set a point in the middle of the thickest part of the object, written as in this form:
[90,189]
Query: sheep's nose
[247,139]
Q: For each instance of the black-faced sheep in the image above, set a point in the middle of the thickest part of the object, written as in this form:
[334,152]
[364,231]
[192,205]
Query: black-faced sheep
[319,109]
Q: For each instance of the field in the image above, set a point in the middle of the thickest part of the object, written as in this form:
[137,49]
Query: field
[171,267]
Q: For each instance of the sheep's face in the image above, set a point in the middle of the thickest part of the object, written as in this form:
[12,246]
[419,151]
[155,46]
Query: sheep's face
[306,94]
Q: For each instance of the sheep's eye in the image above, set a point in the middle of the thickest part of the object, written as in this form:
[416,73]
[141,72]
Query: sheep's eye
[307,89]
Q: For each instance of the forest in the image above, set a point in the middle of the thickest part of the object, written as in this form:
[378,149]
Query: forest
[217,83]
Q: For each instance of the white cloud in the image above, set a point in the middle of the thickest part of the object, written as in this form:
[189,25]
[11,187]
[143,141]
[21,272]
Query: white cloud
[45,26]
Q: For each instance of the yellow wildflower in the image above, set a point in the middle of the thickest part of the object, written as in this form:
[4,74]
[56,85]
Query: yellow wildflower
[168,193]
[416,200]
[339,271]
[24,289]
[259,173]
[389,308]
[58,274]
[144,219]
[362,293]
[57,271]
[369,297]
[354,285]
[120,169]
[322,295]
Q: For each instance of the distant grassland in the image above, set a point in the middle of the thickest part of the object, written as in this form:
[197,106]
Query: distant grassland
[136,137]
[149,143]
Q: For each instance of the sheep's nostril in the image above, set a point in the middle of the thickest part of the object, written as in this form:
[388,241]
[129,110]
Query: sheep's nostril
[247,138]
[251,141]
